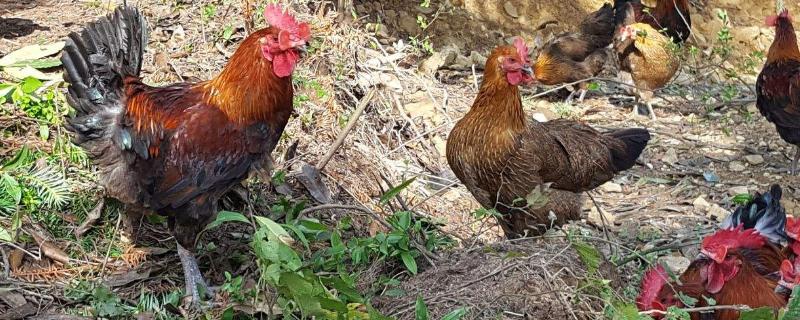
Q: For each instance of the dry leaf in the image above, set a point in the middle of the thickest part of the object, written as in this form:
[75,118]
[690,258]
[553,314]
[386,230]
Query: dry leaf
[15,259]
[91,218]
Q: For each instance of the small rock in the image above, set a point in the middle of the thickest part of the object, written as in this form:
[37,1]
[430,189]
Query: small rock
[754,159]
[738,190]
[408,24]
[611,187]
[595,218]
[716,212]
[700,203]
[670,157]
[477,58]
[432,64]
[736,166]
[538,116]
[511,10]
[676,264]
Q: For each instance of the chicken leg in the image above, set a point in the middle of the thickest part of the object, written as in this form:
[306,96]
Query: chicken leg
[192,277]
[581,96]
[796,157]
[650,110]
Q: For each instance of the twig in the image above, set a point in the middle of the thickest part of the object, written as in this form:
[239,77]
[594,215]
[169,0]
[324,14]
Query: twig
[603,220]
[91,218]
[643,253]
[380,219]
[350,124]
[6,265]
[736,307]
[108,250]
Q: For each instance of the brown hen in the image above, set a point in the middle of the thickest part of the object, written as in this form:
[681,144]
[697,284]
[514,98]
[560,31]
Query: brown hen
[649,56]
[502,156]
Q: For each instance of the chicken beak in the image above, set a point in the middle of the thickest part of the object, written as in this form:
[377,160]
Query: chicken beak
[303,48]
[527,69]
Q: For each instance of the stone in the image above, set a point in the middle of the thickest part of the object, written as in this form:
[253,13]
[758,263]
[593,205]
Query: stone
[477,58]
[716,212]
[430,65]
[670,157]
[700,204]
[408,24]
[611,187]
[595,218]
[676,264]
[510,9]
[754,159]
[738,190]
[538,116]
[736,166]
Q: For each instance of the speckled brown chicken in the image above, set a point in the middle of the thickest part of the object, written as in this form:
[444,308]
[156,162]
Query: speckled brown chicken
[649,56]
[502,156]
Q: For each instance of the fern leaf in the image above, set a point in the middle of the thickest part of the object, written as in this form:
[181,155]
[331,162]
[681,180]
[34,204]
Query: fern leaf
[50,185]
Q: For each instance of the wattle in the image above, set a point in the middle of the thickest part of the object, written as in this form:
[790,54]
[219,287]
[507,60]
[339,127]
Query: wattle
[283,63]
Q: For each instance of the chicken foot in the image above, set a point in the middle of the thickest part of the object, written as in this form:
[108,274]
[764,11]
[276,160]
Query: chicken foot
[796,157]
[581,96]
[192,277]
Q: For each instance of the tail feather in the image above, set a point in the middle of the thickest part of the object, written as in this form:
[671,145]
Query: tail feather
[635,140]
[96,61]
[765,214]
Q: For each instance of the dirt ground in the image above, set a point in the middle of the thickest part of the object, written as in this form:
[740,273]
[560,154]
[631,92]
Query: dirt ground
[696,162]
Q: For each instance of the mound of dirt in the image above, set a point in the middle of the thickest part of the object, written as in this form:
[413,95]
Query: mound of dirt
[480,25]
[530,279]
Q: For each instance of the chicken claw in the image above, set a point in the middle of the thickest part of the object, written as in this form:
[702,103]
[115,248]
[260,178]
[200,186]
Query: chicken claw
[796,157]
[193,277]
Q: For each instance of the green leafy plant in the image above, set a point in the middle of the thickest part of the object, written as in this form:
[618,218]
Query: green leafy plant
[27,184]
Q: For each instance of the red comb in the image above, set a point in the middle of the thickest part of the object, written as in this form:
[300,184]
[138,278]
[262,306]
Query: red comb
[734,238]
[793,227]
[522,49]
[652,282]
[773,20]
[278,18]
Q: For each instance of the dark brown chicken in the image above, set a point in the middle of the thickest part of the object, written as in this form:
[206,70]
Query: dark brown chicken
[778,84]
[502,156]
[575,56]
[670,17]
[649,56]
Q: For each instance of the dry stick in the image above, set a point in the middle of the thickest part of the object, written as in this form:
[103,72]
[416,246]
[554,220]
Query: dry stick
[108,251]
[350,124]
[603,220]
[306,211]
[6,265]
[736,307]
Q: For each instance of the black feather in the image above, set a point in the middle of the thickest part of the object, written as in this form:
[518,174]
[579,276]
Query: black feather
[635,140]
[765,214]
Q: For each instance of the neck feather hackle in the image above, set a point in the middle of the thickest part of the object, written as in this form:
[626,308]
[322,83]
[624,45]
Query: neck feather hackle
[497,99]
[247,90]
[784,47]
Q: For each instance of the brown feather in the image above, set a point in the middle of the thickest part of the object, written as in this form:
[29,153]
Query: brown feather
[501,157]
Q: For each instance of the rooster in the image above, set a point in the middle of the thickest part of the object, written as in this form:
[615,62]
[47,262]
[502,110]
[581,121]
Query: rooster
[575,56]
[737,265]
[176,150]
[778,84]
[502,157]
[790,267]
[650,57]
[669,16]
